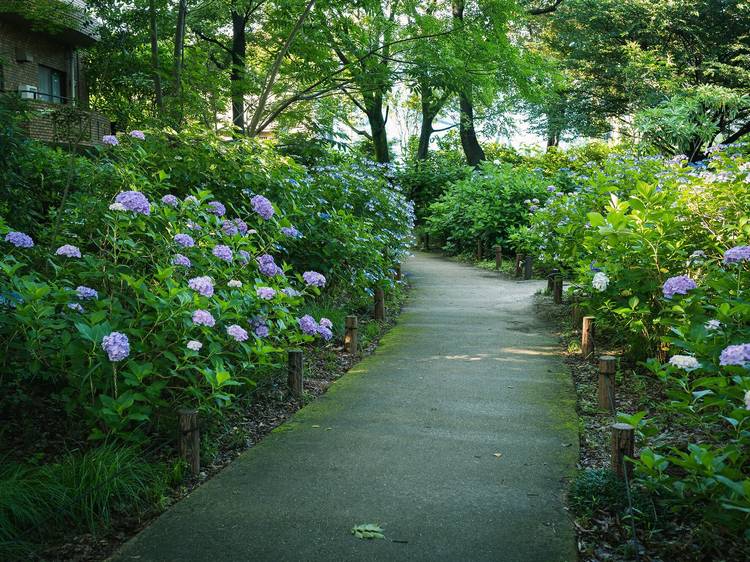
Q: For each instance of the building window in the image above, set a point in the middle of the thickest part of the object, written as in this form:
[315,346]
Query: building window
[51,85]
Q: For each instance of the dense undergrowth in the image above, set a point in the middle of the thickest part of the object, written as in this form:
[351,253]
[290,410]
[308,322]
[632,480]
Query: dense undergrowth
[161,271]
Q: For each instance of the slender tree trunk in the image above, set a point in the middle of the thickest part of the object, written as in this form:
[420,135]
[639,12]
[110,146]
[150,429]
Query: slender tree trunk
[237,75]
[374,107]
[155,56]
[179,48]
[425,132]
[469,142]
[472,148]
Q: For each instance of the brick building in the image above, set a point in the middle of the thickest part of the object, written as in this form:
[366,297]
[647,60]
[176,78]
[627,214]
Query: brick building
[40,62]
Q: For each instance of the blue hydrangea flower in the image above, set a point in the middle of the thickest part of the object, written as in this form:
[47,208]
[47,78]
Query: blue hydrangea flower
[679,285]
[262,206]
[203,318]
[217,208]
[737,254]
[134,201]
[117,346]
[202,285]
[170,200]
[314,278]
[184,240]
[237,332]
[86,293]
[179,259]
[267,265]
[136,134]
[222,252]
[110,140]
[19,239]
[266,293]
[69,251]
[736,355]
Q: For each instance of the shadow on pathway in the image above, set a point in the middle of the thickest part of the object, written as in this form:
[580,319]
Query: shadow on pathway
[407,439]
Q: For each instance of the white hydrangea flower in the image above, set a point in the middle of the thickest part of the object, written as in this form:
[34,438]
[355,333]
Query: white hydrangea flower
[600,281]
[712,325]
[686,362]
[234,283]
[747,399]
[117,207]
[194,345]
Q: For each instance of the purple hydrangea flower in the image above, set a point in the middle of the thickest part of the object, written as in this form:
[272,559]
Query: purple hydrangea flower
[136,134]
[184,240]
[262,206]
[267,266]
[326,333]
[229,228]
[111,140]
[261,331]
[217,208]
[266,293]
[241,226]
[116,345]
[222,252]
[326,323]
[202,285]
[290,231]
[203,318]
[134,201]
[737,254]
[679,285]
[76,307]
[308,325]
[736,355]
[86,293]
[69,251]
[289,292]
[314,278]
[193,226]
[243,257]
[551,188]
[19,239]
[237,332]
[170,200]
[179,259]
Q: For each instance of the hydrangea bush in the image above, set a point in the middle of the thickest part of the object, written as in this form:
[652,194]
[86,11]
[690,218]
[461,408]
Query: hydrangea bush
[671,240]
[141,316]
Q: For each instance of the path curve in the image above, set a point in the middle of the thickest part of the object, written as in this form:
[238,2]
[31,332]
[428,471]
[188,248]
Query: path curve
[469,372]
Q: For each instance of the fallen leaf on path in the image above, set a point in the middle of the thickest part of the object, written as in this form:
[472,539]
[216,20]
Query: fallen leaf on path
[316,426]
[498,455]
[368,531]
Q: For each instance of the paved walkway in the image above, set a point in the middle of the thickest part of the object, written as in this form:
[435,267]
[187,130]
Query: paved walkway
[408,439]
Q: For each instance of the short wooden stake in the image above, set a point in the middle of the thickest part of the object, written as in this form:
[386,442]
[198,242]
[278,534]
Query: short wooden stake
[379,309]
[606,394]
[587,336]
[557,287]
[190,439]
[527,267]
[623,445]
[479,250]
[498,257]
[350,335]
[426,240]
[295,371]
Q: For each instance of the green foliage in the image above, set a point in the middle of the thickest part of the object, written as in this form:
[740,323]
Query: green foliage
[81,492]
[484,207]
[597,490]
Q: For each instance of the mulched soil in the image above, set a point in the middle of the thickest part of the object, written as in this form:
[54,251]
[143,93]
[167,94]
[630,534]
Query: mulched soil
[270,406]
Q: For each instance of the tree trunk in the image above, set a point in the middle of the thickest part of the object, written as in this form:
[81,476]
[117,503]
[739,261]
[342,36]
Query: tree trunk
[472,148]
[179,48]
[377,122]
[154,32]
[237,75]
[425,132]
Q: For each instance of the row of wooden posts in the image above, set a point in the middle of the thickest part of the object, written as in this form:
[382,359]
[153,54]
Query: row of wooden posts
[190,440]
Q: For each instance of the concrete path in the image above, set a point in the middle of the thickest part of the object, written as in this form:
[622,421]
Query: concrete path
[408,439]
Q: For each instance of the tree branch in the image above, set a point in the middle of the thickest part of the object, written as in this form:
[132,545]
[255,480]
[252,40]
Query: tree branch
[546,10]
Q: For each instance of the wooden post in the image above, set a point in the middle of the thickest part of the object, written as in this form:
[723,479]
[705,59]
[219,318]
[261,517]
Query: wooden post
[498,257]
[427,241]
[397,267]
[527,267]
[479,250]
[295,370]
[551,280]
[587,336]
[350,335]
[623,445]
[190,439]
[557,287]
[607,369]
[379,309]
